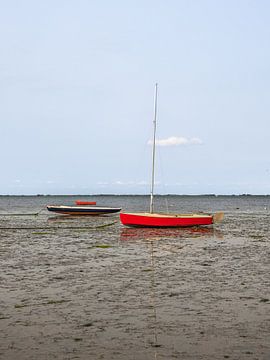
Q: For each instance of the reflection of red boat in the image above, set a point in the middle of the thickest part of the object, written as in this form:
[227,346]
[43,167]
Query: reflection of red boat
[148,233]
[81,202]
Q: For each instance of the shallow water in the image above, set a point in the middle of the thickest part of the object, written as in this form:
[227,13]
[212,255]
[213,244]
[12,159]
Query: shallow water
[72,288]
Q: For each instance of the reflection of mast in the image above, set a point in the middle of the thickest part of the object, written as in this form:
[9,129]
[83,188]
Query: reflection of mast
[153,298]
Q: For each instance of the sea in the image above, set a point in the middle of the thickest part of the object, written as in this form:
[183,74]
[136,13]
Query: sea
[91,288]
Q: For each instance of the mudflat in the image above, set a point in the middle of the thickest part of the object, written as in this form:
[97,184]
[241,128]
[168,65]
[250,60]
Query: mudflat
[76,288]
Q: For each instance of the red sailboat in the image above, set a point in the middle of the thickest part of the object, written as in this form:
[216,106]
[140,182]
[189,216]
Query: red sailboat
[153,219]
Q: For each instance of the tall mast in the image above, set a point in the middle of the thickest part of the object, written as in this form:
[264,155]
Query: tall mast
[153,152]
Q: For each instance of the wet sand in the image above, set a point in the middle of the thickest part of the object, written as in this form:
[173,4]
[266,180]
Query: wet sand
[71,289]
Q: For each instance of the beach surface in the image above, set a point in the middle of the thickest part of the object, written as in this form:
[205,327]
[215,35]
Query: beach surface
[90,288]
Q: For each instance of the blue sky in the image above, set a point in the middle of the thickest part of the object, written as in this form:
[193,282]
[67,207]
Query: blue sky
[77,86]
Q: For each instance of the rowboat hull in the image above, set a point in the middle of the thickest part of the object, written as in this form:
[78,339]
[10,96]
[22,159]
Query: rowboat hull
[82,210]
[165,220]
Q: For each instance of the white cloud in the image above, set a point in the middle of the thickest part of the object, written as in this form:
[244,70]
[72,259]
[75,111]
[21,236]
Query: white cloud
[128,183]
[134,183]
[102,183]
[119,182]
[175,141]
[143,183]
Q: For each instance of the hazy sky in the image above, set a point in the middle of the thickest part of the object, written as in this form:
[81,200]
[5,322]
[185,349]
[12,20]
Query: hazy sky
[77,87]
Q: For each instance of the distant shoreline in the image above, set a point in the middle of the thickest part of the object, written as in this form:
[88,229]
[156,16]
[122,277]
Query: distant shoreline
[93,195]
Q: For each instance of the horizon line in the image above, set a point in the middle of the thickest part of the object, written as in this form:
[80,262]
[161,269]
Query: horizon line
[111,194]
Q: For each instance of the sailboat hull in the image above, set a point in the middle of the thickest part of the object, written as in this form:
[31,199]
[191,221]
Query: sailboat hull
[165,220]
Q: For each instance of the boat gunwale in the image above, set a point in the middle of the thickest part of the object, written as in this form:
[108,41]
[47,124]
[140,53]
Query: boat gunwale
[170,215]
[84,208]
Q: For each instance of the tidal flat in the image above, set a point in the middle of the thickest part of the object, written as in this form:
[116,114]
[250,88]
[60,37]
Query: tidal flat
[90,288]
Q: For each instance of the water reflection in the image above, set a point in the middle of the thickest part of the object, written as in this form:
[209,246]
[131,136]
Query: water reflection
[156,248]
[155,343]
[79,217]
[155,234]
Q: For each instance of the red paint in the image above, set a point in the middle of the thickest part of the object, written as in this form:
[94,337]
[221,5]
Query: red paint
[80,202]
[155,220]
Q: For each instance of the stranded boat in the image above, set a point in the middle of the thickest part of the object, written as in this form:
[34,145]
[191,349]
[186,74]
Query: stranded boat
[82,210]
[153,219]
[168,220]
[82,202]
